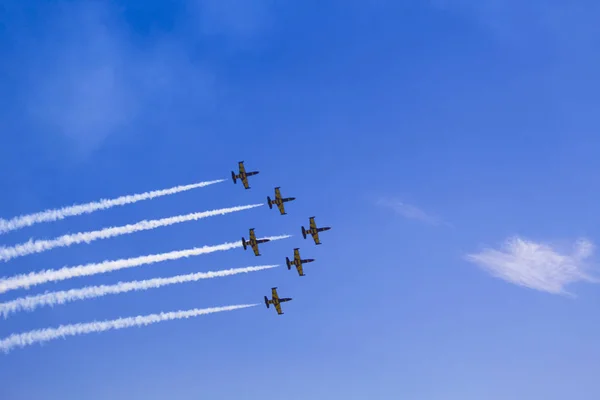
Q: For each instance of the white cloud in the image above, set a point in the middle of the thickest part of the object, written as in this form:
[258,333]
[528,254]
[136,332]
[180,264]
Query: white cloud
[537,266]
[409,211]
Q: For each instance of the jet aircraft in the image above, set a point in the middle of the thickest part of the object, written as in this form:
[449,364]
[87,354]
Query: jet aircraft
[314,231]
[243,175]
[276,301]
[253,242]
[279,201]
[298,262]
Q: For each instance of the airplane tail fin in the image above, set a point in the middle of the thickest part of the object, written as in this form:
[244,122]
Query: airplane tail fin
[233,177]
[244,243]
[289,264]
[304,232]
[270,203]
[266,301]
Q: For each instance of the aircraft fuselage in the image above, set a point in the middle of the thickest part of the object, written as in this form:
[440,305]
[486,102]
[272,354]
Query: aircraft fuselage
[244,175]
[280,300]
[313,231]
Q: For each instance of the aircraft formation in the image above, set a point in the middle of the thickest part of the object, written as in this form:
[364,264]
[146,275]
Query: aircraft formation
[297,261]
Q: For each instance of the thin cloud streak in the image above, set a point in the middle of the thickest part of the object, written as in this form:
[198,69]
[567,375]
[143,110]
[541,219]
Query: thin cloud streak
[409,211]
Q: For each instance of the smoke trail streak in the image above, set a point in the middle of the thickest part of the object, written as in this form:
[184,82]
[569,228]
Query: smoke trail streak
[45,335]
[30,303]
[37,278]
[38,246]
[22,221]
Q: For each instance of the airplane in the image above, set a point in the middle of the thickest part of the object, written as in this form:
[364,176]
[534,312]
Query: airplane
[314,231]
[276,301]
[279,201]
[243,175]
[297,262]
[253,242]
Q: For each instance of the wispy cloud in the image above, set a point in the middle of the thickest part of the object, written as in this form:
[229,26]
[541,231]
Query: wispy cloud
[81,73]
[537,266]
[84,73]
[409,211]
[237,20]
[562,24]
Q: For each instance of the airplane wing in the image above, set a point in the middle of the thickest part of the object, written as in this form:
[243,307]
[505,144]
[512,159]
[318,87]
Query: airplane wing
[300,269]
[315,236]
[243,176]
[274,294]
[281,208]
[255,249]
[253,242]
[278,308]
[277,193]
[313,227]
[296,255]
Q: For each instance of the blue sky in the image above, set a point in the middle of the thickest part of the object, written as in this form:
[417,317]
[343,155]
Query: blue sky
[423,132]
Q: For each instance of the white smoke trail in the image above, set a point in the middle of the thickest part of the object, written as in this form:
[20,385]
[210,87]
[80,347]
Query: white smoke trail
[37,278]
[7,225]
[45,335]
[30,303]
[38,246]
